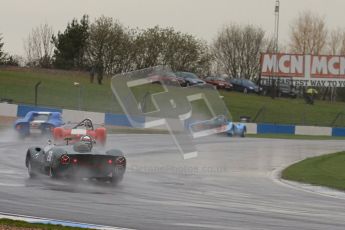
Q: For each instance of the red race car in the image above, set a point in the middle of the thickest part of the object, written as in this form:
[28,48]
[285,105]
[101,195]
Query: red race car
[83,128]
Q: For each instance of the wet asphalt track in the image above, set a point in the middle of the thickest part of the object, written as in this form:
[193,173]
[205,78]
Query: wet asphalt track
[227,187]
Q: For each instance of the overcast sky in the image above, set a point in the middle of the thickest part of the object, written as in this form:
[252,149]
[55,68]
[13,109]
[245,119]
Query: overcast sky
[202,18]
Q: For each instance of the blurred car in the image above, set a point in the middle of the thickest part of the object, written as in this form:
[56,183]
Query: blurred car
[167,78]
[190,78]
[282,90]
[80,160]
[218,124]
[286,90]
[36,122]
[219,82]
[245,86]
[74,133]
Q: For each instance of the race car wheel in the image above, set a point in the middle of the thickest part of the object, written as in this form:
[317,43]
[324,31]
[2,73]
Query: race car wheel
[58,134]
[101,135]
[243,134]
[52,173]
[117,177]
[31,172]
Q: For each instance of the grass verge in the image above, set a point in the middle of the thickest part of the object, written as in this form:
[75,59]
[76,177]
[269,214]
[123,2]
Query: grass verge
[327,170]
[58,90]
[17,224]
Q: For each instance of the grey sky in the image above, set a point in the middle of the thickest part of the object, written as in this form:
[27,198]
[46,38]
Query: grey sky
[203,18]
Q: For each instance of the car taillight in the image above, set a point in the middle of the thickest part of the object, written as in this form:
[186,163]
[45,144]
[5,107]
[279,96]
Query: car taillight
[120,161]
[75,160]
[64,159]
[110,161]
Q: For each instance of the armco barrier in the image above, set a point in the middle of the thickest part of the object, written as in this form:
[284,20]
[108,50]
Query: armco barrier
[8,110]
[76,116]
[338,132]
[251,128]
[12,110]
[24,109]
[273,128]
[313,131]
[119,120]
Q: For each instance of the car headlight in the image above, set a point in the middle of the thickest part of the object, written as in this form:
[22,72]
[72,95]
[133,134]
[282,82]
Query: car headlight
[251,87]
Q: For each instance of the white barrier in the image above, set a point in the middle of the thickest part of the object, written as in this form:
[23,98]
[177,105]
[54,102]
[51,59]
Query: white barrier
[76,116]
[8,110]
[251,128]
[313,130]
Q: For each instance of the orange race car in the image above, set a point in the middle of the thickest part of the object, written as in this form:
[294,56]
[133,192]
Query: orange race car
[74,133]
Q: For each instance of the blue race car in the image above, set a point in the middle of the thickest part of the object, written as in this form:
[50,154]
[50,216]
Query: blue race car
[218,124]
[38,123]
[236,129]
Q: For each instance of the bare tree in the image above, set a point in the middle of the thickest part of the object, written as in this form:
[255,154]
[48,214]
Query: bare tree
[38,46]
[335,42]
[308,34]
[2,53]
[237,50]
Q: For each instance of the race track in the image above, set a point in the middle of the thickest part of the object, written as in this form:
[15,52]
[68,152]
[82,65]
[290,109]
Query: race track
[228,186]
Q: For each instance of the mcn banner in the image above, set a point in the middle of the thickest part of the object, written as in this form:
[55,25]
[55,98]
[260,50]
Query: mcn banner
[305,70]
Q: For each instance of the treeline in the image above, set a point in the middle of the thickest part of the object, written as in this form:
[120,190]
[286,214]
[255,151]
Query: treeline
[106,47]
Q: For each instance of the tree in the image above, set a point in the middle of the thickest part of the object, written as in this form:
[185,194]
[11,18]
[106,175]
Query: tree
[308,34]
[71,45]
[38,46]
[2,53]
[237,49]
[109,47]
[165,46]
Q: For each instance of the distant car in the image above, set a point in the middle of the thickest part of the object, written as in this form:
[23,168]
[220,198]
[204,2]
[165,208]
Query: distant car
[167,78]
[245,86]
[190,78]
[218,124]
[219,82]
[286,90]
[282,90]
[38,123]
[80,160]
[74,133]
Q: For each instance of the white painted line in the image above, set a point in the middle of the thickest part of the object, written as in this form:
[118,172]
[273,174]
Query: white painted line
[38,220]
[319,190]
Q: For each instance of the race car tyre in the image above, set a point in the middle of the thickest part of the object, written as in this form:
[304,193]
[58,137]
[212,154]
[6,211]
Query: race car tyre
[117,177]
[230,134]
[58,134]
[101,135]
[243,134]
[31,172]
[52,174]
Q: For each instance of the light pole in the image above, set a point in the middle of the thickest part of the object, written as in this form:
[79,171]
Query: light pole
[276,25]
[36,91]
[276,41]
[77,84]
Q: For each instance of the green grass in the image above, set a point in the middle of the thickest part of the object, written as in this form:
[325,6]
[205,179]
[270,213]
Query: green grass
[22,224]
[57,90]
[295,137]
[327,170]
